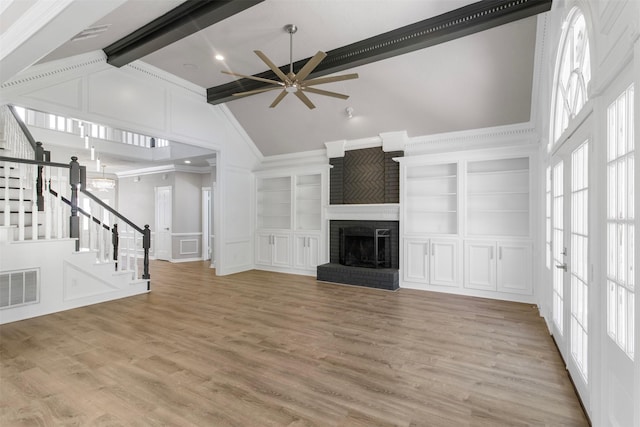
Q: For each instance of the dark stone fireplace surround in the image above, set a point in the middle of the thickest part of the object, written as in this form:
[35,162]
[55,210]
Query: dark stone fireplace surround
[365,176]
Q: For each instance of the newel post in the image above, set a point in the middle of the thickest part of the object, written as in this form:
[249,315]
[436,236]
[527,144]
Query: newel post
[146,244]
[39,183]
[114,241]
[74,219]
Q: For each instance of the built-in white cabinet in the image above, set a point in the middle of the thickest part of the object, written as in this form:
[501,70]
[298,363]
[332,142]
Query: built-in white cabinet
[273,249]
[498,266]
[306,250]
[289,220]
[466,222]
[431,261]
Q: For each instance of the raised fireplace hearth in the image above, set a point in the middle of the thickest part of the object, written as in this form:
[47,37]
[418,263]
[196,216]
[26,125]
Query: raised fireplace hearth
[363,253]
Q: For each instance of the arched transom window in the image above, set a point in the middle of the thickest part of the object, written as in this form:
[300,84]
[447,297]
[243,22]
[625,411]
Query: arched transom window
[573,73]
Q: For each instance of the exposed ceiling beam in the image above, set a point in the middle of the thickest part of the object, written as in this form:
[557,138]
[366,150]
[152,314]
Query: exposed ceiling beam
[458,23]
[182,21]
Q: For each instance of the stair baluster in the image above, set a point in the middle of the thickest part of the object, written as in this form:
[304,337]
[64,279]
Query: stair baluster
[7,186]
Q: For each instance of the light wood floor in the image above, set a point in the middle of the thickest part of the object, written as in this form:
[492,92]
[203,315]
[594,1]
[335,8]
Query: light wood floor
[266,349]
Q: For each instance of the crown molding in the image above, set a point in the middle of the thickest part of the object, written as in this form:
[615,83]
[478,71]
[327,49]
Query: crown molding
[518,134]
[163,169]
[57,67]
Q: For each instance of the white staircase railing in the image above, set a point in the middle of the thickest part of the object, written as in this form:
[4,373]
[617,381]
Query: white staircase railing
[41,200]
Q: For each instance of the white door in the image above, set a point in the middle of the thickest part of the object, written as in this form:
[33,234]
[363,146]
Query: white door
[514,268]
[416,261]
[313,251]
[206,223]
[559,250]
[163,223]
[571,258]
[444,263]
[620,349]
[480,265]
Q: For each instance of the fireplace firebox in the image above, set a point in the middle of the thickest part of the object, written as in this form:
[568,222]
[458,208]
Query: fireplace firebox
[365,247]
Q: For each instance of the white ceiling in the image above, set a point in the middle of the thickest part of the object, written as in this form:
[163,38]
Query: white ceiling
[481,80]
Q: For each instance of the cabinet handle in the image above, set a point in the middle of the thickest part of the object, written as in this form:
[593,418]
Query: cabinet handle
[491,252]
[433,249]
[500,253]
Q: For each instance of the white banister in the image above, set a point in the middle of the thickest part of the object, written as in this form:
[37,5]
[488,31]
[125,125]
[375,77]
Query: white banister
[135,254]
[34,203]
[20,202]
[46,183]
[7,204]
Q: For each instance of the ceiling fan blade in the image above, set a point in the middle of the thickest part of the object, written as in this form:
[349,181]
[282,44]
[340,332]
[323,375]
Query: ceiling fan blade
[304,99]
[260,79]
[278,99]
[310,66]
[325,92]
[271,65]
[253,92]
[323,80]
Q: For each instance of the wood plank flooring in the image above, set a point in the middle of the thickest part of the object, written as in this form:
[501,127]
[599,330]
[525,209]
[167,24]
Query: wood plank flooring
[267,349]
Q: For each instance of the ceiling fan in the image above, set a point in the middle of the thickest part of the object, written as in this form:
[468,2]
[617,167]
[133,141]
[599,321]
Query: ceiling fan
[291,82]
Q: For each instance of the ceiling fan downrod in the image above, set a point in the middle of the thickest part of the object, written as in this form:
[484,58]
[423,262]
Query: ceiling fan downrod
[291,29]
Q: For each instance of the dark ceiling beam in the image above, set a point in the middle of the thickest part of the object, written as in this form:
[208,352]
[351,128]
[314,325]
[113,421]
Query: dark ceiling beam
[461,22]
[182,21]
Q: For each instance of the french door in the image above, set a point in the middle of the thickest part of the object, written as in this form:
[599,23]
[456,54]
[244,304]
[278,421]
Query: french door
[570,257]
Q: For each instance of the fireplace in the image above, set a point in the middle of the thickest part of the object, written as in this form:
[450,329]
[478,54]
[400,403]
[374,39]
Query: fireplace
[365,247]
[363,253]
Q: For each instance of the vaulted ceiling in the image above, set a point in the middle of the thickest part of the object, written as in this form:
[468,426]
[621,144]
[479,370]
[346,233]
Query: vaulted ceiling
[467,73]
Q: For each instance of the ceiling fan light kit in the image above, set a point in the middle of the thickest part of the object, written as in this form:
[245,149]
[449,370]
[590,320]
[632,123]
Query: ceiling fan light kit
[292,82]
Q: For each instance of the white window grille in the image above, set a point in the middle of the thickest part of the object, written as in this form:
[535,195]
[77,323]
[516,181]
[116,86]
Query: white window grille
[573,73]
[620,221]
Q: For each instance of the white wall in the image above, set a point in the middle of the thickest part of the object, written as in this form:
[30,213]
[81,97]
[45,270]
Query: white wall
[141,98]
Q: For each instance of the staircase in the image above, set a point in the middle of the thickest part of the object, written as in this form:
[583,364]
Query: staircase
[54,255]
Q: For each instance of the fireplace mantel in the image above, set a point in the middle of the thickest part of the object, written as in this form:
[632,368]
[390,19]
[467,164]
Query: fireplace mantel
[372,212]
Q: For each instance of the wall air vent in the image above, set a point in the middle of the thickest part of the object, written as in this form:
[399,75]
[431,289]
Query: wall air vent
[90,32]
[19,288]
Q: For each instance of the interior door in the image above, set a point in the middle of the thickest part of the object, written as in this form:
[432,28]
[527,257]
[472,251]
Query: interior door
[163,223]
[206,223]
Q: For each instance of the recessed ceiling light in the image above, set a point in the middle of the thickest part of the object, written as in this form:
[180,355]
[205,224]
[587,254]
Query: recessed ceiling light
[187,162]
[219,57]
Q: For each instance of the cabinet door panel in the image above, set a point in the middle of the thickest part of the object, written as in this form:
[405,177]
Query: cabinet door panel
[281,250]
[480,265]
[514,268]
[263,249]
[313,251]
[444,263]
[299,252]
[416,254]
